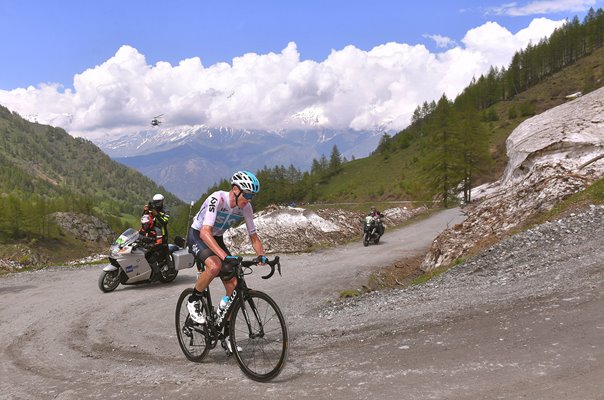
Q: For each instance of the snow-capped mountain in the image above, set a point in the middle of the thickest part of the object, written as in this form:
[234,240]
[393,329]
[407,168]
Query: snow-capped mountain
[188,160]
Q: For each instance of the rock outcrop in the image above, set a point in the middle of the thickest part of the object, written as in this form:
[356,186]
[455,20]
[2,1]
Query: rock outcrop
[89,229]
[551,156]
[83,226]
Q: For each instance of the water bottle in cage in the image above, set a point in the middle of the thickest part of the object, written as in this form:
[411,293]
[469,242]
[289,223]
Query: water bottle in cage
[222,305]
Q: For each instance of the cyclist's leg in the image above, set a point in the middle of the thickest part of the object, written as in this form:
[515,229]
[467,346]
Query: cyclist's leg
[212,269]
[194,340]
[203,256]
[229,284]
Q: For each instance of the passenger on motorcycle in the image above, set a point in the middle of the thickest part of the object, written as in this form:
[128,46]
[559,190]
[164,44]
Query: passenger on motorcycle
[378,215]
[151,236]
[220,211]
[160,216]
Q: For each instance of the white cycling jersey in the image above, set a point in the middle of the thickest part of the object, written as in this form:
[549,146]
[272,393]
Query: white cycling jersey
[217,212]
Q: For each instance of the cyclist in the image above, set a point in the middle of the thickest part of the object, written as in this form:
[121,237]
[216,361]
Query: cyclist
[220,211]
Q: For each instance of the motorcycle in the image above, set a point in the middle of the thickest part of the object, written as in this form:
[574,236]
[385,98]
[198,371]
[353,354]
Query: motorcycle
[371,230]
[129,266]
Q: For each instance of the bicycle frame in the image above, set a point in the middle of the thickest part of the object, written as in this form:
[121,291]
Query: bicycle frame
[217,321]
[257,332]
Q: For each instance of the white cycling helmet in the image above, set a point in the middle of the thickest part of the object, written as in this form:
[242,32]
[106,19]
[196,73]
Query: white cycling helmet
[245,180]
[145,221]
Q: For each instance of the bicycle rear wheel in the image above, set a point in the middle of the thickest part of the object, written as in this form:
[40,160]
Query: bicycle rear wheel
[258,335]
[192,337]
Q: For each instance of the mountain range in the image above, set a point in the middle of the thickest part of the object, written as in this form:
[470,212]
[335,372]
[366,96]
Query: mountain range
[188,160]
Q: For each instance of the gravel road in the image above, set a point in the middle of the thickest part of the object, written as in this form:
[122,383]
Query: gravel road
[522,320]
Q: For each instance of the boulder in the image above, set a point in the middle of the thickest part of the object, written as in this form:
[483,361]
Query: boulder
[84,227]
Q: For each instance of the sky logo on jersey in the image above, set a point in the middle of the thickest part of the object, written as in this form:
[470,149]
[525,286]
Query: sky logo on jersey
[212,206]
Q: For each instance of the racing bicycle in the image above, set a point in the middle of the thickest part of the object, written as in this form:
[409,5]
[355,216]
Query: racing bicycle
[257,330]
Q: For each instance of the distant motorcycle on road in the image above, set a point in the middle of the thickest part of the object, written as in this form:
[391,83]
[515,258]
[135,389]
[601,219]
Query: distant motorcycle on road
[129,266]
[372,230]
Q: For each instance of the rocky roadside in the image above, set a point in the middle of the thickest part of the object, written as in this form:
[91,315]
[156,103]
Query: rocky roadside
[561,256]
[90,233]
[295,230]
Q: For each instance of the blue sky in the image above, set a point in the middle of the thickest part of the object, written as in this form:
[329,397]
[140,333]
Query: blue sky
[308,47]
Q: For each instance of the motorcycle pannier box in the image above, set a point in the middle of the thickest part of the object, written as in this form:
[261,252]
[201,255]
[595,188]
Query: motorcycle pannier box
[183,259]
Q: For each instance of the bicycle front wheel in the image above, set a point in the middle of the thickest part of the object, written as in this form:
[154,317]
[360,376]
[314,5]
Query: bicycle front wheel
[258,335]
[192,337]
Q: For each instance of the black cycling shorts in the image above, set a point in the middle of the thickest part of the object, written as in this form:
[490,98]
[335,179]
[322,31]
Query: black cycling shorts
[199,249]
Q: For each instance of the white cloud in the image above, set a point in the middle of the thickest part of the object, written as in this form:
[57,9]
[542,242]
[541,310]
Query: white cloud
[350,88]
[542,7]
[441,41]
[496,45]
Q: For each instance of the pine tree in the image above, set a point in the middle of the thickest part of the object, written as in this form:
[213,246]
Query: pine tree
[441,162]
[335,160]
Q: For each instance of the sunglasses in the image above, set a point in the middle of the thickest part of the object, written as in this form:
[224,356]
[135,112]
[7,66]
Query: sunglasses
[247,196]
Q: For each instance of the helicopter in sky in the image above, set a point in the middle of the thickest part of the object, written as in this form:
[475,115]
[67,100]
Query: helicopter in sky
[156,121]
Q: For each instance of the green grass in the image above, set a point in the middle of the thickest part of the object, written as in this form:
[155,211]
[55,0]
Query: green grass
[345,294]
[427,276]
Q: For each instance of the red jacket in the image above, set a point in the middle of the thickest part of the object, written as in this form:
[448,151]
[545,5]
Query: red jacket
[152,231]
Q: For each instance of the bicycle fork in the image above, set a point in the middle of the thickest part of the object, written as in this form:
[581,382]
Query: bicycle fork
[250,327]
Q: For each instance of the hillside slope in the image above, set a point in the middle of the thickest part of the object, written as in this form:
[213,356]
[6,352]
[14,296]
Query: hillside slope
[552,156]
[43,160]
[44,170]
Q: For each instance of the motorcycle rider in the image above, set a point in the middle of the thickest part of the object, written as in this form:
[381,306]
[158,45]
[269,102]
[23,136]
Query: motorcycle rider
[378,216]
[160,215]
[151,236]
[220,211]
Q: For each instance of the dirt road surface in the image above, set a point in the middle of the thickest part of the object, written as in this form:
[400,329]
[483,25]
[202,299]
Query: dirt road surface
[462,336]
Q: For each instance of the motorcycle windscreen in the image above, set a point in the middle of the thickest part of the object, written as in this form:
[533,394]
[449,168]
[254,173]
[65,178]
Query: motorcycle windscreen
[127,237]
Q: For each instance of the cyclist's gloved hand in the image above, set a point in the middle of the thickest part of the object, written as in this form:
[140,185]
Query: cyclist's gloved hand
[232,260]
[227,270]
[261,259]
